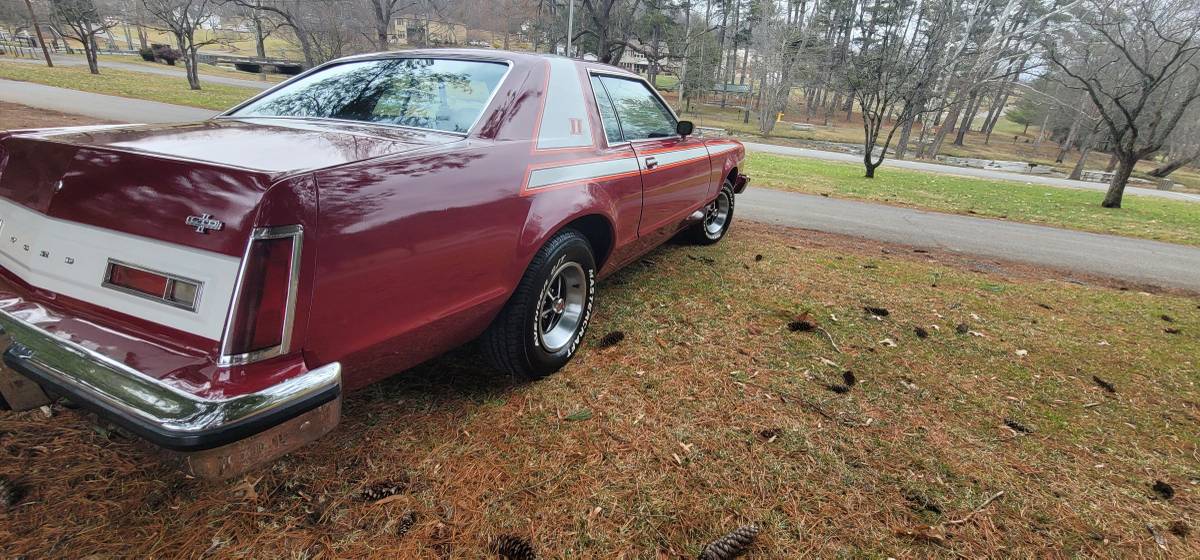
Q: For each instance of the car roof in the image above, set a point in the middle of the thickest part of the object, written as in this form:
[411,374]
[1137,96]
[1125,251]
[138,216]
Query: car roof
[483,54]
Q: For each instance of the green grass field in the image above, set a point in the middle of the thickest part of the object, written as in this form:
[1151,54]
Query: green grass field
[125,83]
[1145,217]
[205,69]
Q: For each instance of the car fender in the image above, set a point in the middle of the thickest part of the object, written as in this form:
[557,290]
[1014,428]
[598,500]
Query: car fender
[551,211]
[726,155]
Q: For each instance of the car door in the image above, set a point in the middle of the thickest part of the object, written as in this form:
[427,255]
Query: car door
[676,173]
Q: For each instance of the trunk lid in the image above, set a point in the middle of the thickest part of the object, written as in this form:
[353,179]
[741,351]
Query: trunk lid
[147,180]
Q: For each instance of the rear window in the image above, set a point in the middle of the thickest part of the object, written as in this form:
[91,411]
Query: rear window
[436,94]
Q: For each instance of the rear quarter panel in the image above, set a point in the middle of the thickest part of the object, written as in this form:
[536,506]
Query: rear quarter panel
[726,155]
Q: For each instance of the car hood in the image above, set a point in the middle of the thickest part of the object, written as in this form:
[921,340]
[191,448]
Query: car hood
[271,145]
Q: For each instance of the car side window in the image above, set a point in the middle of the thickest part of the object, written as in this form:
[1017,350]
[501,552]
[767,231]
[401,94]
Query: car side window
[612,126]
[641,113]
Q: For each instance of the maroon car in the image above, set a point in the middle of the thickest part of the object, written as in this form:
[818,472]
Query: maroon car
[215,287]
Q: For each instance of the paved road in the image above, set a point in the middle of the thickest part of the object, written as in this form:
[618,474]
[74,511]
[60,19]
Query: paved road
[163,70]
[107,107]
[1151,262]
[964,171]
[1137,260]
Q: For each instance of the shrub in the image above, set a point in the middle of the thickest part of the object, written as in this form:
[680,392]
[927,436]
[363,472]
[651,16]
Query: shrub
[147,54]
[165,53]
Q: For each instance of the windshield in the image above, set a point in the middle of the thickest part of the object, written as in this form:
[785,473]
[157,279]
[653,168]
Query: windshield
[436,94]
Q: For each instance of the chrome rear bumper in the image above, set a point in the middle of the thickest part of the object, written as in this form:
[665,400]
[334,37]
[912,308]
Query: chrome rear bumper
[164,415]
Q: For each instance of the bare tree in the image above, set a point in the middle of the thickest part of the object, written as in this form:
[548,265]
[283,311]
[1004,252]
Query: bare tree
[320,29]
[1137,62]
[182,18]
[1184,145]
[37,29]
[80,20]
[609,23]
[891,68]
[382,14]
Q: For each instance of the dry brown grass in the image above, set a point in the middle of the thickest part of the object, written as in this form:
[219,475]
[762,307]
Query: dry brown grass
[710,414]
[13,116]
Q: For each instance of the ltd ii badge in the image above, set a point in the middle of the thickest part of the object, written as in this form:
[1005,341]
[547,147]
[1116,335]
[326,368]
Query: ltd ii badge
[204,223]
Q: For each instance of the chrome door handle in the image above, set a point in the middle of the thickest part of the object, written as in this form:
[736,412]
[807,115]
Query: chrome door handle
[651,163]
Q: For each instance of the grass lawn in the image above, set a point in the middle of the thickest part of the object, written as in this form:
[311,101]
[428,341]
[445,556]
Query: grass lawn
[1009,141]
[1146,217]
[205,69]
[990,442]
[131,84]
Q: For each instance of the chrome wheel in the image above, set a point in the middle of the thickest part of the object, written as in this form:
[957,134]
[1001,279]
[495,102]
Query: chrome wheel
[560,309]
[716,215]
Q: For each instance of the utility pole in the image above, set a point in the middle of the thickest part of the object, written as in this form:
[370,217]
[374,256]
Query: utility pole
[570,24]
[687,44]
[38,28]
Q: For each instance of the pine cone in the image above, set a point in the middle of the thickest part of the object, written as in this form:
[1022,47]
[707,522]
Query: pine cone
[406,523]
[383,490]
[732,545]
[512,547]
[10,493]
[611,339]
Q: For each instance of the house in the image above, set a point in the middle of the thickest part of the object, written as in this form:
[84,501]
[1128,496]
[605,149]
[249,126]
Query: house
[422,31]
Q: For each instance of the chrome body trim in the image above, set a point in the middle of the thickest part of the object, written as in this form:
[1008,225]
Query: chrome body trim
[296,232]
[142,399]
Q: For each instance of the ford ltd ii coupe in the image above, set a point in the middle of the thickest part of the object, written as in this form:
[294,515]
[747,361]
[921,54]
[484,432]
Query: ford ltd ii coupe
[215,287]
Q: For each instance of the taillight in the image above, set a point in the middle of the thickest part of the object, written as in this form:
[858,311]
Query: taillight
[151,284]
[260,320]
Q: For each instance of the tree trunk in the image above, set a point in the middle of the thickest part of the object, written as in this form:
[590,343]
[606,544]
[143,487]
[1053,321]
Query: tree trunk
[90,54]
[88,40]
[189,60]
[902,144]
[964,126]
[947,128]
[1112,163]
[869,163]
[745,66]
[1070,139]
[1173,165]
[1116,188]
[1037,144]
[381,36]
[37,29]
[1077,171]
[260,40]
[994,113]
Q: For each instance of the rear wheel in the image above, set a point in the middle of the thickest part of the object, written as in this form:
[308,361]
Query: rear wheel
[718,216]
[544,321]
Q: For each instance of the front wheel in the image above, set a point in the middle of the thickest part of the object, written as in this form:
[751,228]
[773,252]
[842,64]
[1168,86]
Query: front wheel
[718,216]
[544,321]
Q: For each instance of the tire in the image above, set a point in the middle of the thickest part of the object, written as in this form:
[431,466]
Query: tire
[718,216]
[544,321]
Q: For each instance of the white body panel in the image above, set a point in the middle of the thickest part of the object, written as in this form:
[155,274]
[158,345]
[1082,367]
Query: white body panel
[76,259]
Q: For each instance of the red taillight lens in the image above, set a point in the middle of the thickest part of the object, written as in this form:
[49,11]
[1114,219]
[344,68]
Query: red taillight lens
[260,318]
[137,280]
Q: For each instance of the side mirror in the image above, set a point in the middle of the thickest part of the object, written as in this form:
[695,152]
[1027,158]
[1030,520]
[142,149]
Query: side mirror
[684,128]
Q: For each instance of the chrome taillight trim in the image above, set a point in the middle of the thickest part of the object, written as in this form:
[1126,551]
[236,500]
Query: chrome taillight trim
[161,299]
[296,233]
